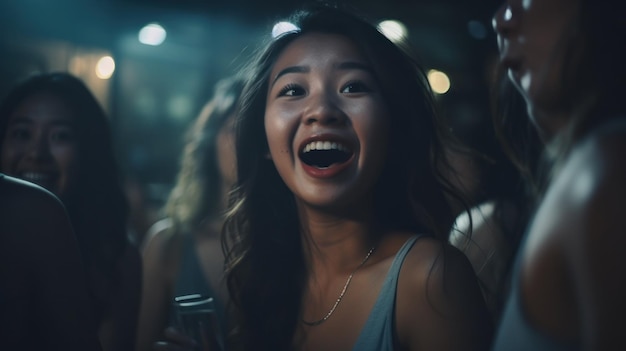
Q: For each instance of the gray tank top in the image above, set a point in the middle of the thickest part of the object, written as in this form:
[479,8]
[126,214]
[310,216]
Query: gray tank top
[378,332]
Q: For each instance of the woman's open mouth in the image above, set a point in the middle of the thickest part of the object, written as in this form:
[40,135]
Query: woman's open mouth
[325,158]
[43,179]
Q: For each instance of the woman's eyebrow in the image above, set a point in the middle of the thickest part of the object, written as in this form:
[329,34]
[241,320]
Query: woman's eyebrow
[64,122]
[342,66]
[20,120]
[291,69]
[356,65]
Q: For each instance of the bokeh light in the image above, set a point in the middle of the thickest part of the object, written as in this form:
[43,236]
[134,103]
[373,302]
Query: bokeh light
[152,34]
[439,81]
[394,30]
[105,67]
[281,28]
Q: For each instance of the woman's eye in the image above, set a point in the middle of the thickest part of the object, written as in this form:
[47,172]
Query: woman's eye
[291,90]
[62,135]
[19,134]
[355,87]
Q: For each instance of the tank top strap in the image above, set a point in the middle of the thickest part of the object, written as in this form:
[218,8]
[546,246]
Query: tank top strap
[378,332]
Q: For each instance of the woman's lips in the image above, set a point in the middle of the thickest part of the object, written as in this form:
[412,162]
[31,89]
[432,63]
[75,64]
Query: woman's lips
[325,143]
[326,172]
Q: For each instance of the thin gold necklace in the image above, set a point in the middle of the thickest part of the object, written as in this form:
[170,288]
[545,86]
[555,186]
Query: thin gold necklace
[343,292]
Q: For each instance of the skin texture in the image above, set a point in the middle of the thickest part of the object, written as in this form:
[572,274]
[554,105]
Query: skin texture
[47,279]
[572,271]
[325,95]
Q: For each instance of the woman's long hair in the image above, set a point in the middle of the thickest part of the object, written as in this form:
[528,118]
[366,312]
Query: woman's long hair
[96,203]
[197,194]
[265,266]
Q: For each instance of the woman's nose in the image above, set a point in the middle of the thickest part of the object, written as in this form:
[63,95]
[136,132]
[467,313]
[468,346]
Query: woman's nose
[323,109]
[39,147]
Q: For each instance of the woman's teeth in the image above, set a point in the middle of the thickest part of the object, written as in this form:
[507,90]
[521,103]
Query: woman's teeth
[324,145]
[35,177]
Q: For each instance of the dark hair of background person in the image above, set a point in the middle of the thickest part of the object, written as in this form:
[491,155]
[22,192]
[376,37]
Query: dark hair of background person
[196,195]
[264,258]
[593,94]
[96,204]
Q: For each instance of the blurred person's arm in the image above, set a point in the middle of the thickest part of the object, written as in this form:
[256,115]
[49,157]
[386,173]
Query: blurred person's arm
[157,285]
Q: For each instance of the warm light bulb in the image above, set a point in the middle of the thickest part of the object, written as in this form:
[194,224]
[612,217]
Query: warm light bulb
[105,67]
[439,81]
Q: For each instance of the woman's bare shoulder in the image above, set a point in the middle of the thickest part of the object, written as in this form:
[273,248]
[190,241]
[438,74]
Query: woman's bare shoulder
[432,264]
[438,296]
[590,189]
[159,239]
[161,250]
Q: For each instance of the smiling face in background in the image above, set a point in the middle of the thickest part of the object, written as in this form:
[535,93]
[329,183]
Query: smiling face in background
[326,121]
[40,144]
[535,38]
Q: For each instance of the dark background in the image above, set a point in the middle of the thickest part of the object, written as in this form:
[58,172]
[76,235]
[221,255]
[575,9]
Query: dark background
[156,91]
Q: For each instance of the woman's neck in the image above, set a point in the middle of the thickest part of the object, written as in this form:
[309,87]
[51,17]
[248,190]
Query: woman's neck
[335,242]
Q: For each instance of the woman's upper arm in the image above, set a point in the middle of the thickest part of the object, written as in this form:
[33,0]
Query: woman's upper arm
[440,305]
[153,311]
[596,246]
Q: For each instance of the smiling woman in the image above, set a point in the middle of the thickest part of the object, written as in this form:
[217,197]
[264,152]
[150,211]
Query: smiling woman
[334,235]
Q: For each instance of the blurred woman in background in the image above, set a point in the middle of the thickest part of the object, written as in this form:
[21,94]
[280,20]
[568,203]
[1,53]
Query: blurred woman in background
[183,253]
[54,133]
[566,58]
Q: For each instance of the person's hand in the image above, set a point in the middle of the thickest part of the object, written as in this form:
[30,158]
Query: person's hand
[175,341]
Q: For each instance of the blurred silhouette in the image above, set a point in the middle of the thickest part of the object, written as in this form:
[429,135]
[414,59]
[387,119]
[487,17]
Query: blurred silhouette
[500,200]
[44,304]
[490,231]
[566,59]
[54,133]
[183,253]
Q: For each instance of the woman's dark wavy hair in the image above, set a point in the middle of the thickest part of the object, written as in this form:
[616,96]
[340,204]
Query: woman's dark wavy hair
[593,90]
[197,194]
[265,266]
[96,204]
